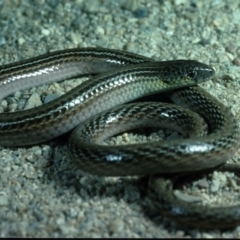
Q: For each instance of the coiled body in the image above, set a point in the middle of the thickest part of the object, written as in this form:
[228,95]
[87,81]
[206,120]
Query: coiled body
[124,77]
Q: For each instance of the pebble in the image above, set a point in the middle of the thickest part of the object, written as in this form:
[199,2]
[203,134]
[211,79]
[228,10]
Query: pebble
[116,225]
[33,101]
[45,32]
[236,61]
[203,183]
[51,97]
[3,200]
[215,185]
[186,197]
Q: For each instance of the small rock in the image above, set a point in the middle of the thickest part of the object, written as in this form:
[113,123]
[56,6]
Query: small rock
[45,32]
[116,225]
[100,30]
[236,61]
[33,101]
[141,13]
[203,183]
[3,200]
[21,41]
[215,185]
[51,97]
[186,197]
